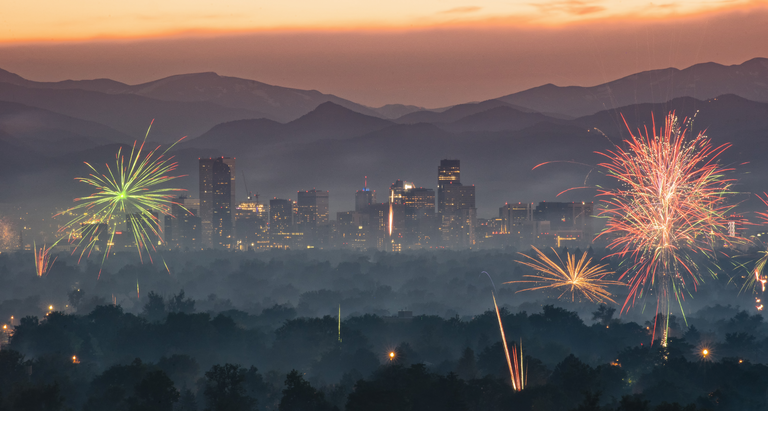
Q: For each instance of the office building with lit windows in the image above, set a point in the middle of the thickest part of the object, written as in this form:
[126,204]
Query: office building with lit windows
[456,209]
[217,201]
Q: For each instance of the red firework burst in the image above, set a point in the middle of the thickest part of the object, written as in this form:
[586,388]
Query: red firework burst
[670,206]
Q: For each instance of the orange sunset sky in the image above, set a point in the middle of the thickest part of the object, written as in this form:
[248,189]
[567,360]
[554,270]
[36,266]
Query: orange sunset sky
[429,53]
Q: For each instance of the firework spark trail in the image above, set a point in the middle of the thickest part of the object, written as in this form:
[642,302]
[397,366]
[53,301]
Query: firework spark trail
[759,290]
[577,276]
[671,206]
[130,188]
[515,371]
[43,261]
[391,198]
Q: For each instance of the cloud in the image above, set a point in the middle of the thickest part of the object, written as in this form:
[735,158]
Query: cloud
[570,7]
[462,10]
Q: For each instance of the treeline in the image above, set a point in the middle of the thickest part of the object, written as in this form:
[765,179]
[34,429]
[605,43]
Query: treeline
[315,283]
[170,357]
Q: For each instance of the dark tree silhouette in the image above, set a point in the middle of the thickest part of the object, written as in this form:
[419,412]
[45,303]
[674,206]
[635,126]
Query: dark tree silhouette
[299,395]
[154,309]
[155,392]
[466,368]
[225,389]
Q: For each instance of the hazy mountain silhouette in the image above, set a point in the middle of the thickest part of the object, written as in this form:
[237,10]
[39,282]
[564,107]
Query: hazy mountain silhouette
[327,121]
[455,112]
[48,132]
[262,100]
[498,119]
[393,111]
[129,114]
[701,81]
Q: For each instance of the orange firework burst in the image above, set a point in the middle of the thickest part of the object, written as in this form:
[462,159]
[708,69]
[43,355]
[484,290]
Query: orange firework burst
[576,276]
[671,206]
[43,261]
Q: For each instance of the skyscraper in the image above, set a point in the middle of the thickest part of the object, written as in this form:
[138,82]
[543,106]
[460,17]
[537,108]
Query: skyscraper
[311,214]
[217,193]
[280,215]
[420,221]
[570,221]
[398,189]
[251,225]
[183,228]
[364,197]
[455,206]
[311,208]
[448,172]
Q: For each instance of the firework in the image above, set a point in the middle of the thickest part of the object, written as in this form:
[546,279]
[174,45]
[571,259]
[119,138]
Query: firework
[129,188]
[339,322]
[578,277]
[9,235]
[516,371]
[43,261]
[670,206]
[757,286]
[515,366]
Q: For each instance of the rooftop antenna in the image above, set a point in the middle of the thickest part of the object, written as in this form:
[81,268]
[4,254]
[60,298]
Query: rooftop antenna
[250,195]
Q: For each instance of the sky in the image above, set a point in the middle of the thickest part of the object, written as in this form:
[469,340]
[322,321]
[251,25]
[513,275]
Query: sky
[429,53]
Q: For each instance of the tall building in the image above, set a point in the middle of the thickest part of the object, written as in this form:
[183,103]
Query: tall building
[448,172]
[311,217]
[364,197]
[183,228]
[455,206]
[251,225]
[568,221]
[282,233]
[352,229]
[217,201]
[280,215]
[420,220]
[311,209]
[513,214]
[398,189]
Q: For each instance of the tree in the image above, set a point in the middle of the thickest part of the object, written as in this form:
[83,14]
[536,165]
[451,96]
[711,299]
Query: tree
[154,309]
[37,398]
[187,402]
[299,395]
[635,402]
[591,402]
[603,314]
[466,368]
[225,389]
[178,304]
[155,392]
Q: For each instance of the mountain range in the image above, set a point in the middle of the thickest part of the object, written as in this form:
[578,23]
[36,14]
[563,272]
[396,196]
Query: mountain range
[286,139]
